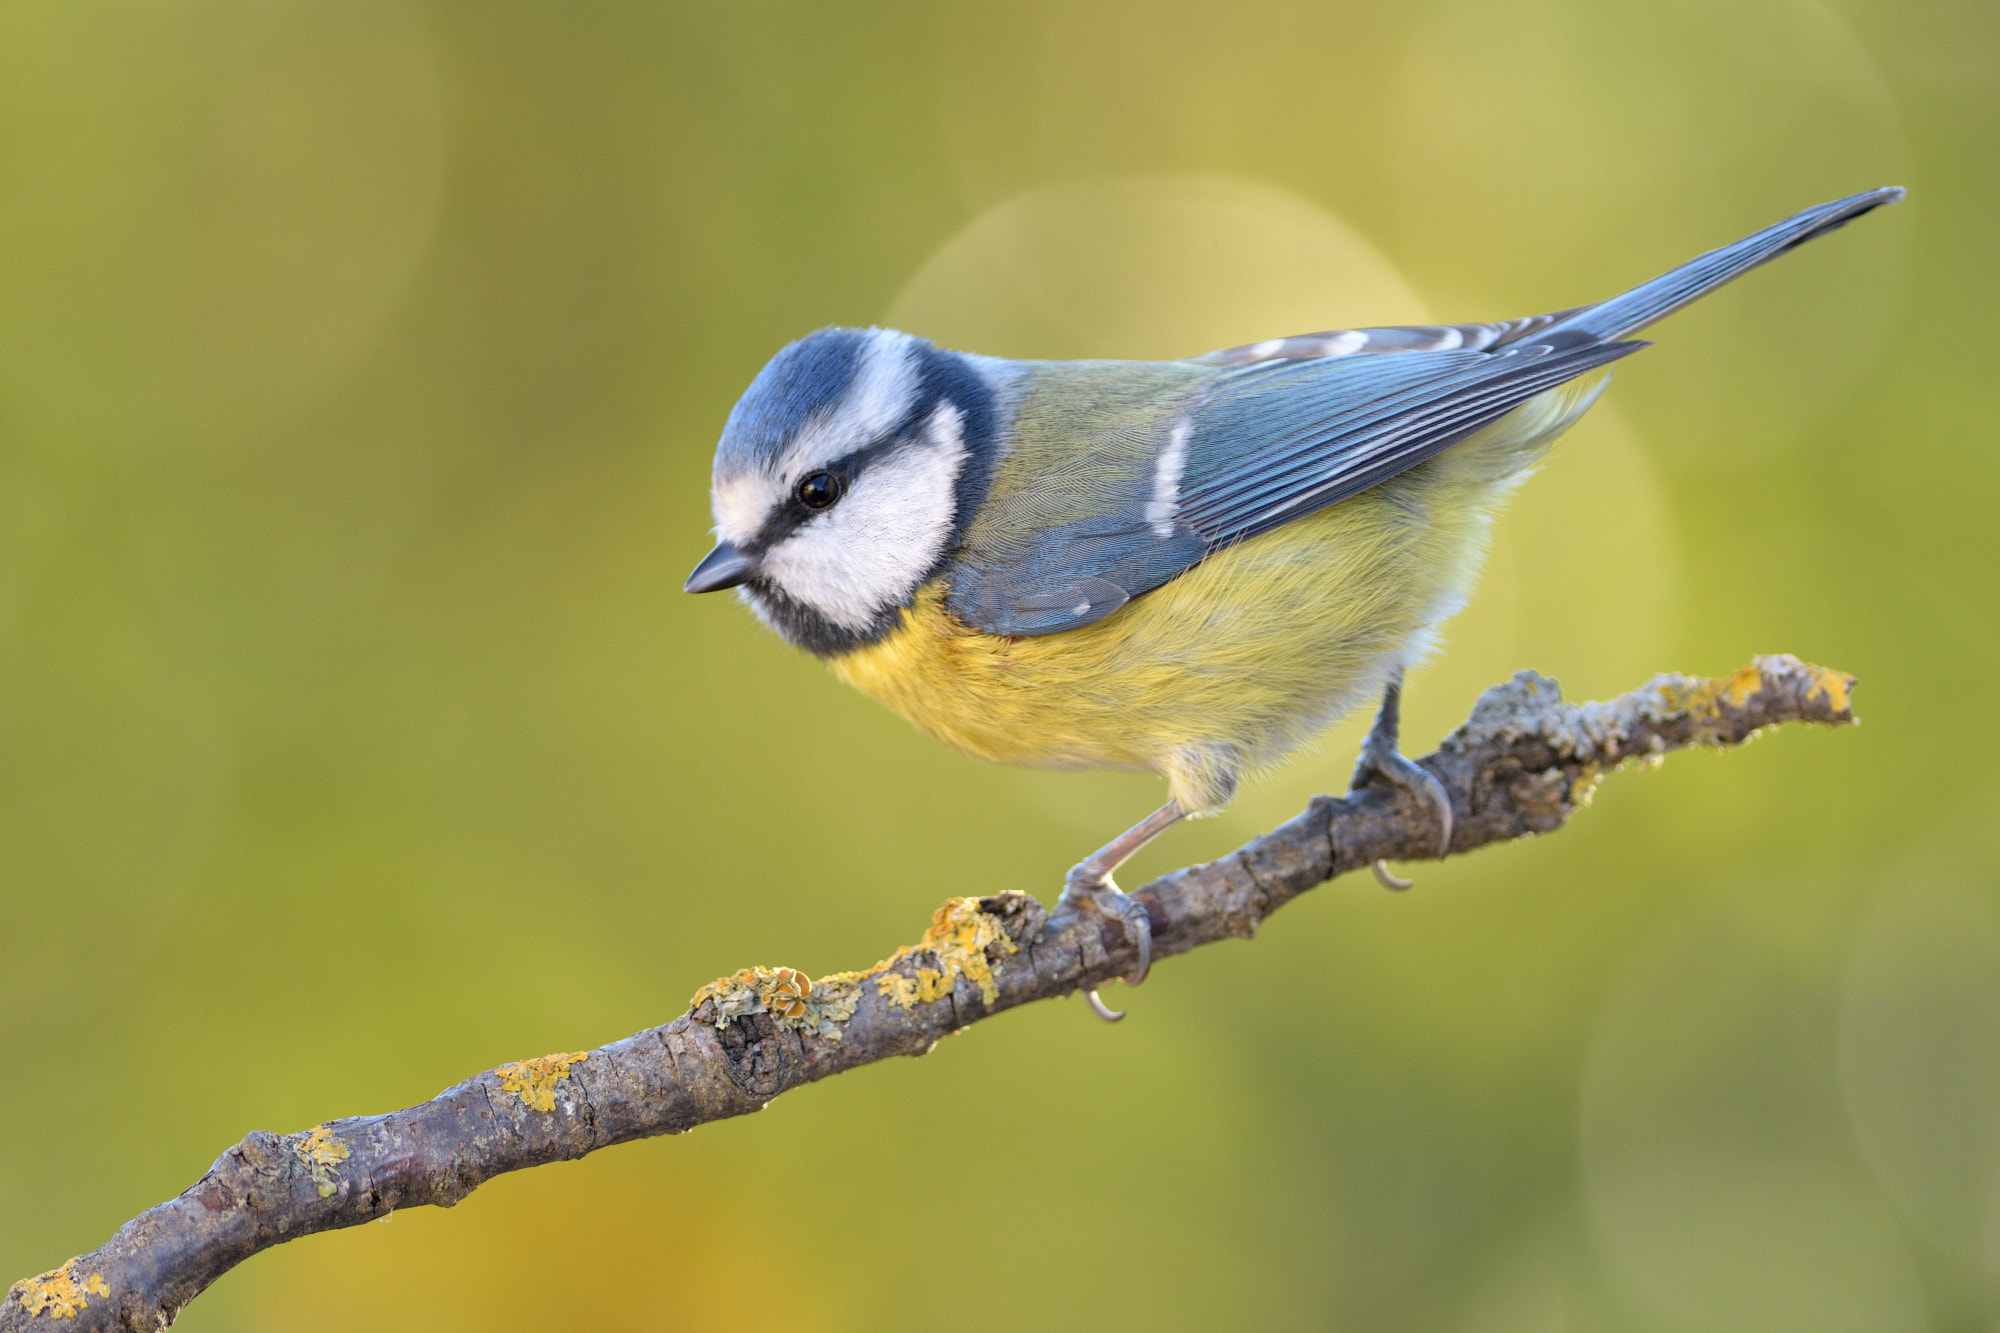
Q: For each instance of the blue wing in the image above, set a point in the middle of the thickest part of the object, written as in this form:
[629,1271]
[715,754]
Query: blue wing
[1262,446]
[1396,338]
[1277,445]
[1279,430]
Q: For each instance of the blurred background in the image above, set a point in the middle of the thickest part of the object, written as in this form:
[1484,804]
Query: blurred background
[360,367]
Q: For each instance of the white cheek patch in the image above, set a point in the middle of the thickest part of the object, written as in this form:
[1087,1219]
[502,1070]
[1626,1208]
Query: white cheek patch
[870,550]
[741,505]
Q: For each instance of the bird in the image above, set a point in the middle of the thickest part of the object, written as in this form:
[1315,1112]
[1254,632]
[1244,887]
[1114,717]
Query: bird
[1189,567]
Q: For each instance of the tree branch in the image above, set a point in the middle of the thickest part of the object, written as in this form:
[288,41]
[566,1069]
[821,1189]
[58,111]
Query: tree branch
[1521,764]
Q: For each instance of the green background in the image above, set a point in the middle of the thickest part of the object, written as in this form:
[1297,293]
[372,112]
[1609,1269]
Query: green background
[359,371]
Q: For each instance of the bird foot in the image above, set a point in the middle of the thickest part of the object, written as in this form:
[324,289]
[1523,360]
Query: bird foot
[1097,894]
[1397,771]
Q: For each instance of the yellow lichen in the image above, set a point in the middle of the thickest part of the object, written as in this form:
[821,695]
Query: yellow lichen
[1703,698]
[58,1294]
[1834,685]
[958,939]
[787,995]
[1628,727]
[956,943]
[1745,681]
[908,992]
[832,1003]
[534,1081]
[322,1152]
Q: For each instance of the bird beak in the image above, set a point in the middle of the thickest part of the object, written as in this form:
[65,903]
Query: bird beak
[724,567]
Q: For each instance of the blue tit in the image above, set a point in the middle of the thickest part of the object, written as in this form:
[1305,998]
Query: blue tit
[1182,567]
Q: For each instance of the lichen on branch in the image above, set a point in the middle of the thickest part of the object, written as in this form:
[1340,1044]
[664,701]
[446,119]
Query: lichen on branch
[1522,763]
[57,1294]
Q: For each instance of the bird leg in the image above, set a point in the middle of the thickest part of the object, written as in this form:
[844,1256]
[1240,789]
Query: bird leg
[1381,758]
[1089,887]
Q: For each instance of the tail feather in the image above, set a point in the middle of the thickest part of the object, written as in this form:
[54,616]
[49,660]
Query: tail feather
[1631,311]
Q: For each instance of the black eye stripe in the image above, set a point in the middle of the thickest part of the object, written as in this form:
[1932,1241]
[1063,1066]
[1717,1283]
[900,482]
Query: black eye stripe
[854,464]
[794,513]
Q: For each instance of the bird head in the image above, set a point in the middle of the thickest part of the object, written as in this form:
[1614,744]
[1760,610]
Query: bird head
[845,475]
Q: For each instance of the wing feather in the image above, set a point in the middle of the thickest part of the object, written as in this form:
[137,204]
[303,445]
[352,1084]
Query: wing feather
[1287,427]
[1245,492]
[1267,447]
[1390,338]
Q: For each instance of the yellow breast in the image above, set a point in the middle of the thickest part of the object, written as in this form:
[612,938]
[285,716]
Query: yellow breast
[1234,663]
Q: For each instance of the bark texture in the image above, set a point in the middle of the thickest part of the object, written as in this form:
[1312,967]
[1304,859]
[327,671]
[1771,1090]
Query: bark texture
[1521,764]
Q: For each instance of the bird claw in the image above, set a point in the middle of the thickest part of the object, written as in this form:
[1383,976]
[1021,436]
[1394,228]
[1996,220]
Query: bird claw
[1387,880]
[1419,782]
[1106,899]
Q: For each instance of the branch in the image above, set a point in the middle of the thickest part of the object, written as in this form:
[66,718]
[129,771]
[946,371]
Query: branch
[1521,764]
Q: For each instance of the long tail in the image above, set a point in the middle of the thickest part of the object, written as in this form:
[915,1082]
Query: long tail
[1649,301]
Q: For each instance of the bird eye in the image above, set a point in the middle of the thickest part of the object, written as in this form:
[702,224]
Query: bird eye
[819,490]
